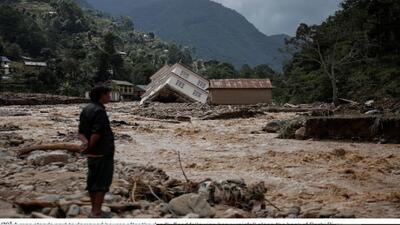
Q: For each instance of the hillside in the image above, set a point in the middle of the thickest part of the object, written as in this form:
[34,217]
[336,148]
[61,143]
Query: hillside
[80,47]
[215,31]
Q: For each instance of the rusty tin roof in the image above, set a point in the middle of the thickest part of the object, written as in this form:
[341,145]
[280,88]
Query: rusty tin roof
[240,84]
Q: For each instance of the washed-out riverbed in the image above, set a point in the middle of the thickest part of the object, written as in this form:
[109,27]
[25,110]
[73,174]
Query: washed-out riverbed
[354,178]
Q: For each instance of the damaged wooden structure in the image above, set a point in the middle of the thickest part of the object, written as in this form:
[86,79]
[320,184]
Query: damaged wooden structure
[176,83]
[240,91]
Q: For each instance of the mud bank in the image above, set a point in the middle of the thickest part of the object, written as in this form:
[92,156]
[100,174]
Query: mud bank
[8,98]
[357,128]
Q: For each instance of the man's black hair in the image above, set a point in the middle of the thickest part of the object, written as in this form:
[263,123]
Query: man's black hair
[98,91]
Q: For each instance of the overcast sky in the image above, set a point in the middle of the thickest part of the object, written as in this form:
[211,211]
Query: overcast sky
[282,16]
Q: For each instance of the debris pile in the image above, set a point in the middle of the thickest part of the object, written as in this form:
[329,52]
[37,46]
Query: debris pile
[137,191]
[182,111]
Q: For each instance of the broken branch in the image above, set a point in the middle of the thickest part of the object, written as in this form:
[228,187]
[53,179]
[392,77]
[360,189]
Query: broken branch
[180,164]
[272,204]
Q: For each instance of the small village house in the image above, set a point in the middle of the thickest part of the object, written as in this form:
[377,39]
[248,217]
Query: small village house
[4,66]
[176,83]
[124,88]
[35,64]
[240,91]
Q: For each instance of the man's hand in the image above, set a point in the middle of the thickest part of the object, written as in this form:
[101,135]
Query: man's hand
[85,144]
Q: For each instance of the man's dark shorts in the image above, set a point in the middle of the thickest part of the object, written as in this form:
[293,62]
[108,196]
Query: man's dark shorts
[100,174]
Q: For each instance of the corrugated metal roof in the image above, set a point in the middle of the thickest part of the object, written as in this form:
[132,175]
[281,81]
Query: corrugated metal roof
[142,87]
[240,83]
[4,59]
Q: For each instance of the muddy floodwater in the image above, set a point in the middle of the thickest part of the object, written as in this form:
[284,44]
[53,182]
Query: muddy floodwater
[359,178]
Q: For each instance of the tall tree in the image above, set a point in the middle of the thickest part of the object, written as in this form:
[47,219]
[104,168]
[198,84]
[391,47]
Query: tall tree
[329,46]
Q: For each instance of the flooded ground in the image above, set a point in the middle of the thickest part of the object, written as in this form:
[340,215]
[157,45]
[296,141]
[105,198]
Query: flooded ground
[355,178]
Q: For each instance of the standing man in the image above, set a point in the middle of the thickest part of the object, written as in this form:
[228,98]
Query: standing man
[98,144]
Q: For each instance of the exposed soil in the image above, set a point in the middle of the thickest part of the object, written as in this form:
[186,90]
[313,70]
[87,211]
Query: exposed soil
[355,178]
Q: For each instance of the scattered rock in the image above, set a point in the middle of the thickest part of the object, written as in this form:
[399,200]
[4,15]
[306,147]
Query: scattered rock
[55,212]
[345,214]
[300,133]
[289,129]
[47,158]
[46,210]
[265,214]
[9,127]
[327,213]
[369,103]
[372,112]
[11,140]
[118,123]
[273,126]
[235,213]
[49,198]
[192,203]
[192,216]
[339,152]
[294,211]
[26,187]
[288,105]
[73,211]
[85,209]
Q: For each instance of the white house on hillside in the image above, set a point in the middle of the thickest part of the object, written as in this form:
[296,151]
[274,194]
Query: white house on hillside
[4,65]
[176,83]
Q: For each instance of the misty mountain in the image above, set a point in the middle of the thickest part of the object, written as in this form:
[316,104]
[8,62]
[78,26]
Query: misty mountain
[214,31]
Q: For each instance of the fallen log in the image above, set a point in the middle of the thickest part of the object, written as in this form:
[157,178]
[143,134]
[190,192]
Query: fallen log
[48,147]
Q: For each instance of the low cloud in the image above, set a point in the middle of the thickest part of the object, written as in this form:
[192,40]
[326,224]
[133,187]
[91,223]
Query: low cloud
[282,16]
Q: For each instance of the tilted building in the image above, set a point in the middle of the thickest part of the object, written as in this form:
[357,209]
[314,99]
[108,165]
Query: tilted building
[176,83]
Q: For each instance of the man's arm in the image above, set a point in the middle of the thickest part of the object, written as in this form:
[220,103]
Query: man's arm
[93,141]
[82,138]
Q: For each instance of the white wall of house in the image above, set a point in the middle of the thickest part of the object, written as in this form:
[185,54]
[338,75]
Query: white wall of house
[5,67]
[187,88]
[191,77]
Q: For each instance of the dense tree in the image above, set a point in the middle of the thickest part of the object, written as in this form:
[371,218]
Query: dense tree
[353,53]
[221,71]
[109,63]
[17,28]
[71,18]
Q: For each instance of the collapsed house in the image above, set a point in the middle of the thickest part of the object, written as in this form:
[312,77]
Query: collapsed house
[176,83]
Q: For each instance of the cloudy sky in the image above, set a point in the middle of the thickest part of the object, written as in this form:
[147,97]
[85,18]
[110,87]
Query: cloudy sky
[282,16]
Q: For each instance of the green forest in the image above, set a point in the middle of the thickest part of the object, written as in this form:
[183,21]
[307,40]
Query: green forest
[354,54]
[81,47]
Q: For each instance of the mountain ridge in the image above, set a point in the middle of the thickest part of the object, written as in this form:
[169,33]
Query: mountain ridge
[216,32]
